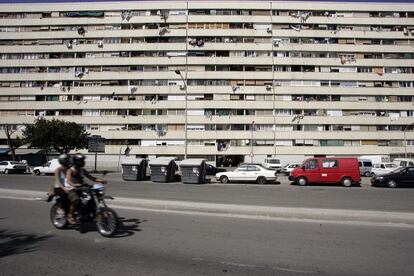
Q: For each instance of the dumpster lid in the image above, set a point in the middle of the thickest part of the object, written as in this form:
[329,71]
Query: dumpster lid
[162,161]
[132,161]
[191,162]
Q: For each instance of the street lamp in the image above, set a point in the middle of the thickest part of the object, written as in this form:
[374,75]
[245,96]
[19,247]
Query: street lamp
[405,139]
[251,146]
[178,72]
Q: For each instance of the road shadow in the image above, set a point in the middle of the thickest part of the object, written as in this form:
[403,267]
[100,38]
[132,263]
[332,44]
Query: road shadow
[13,242]
[126,228]
[326,185]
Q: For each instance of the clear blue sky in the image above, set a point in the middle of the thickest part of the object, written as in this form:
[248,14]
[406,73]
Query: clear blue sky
[60,1]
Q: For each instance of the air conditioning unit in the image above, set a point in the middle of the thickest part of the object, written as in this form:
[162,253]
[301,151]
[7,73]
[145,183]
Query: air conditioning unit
[163,31]
[79,74]
[269,30]
[268,87]
[69,45]
[100,44]
[133,89]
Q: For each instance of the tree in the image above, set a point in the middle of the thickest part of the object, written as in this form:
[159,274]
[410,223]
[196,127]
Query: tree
[13,144]
[56,135]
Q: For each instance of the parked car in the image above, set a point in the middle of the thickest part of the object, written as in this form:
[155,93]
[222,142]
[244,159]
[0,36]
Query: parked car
[327,170]
[248,172]
[403,162]
[7,167]
[47,168]
[289,168]
[382,168]
[272,164]
[212,170]
[365,166]
[400,177]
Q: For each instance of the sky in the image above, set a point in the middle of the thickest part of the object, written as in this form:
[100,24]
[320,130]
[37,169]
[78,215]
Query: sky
[60,1]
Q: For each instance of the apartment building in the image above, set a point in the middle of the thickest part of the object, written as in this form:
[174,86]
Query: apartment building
[229,81]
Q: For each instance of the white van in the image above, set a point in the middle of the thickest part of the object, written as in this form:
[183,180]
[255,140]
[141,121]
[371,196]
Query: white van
[272,164]
[47,168]
[377,158]
[404,162]
[365,166]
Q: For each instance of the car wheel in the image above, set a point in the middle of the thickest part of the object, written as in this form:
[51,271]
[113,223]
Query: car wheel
[391,183]
[302,181]
[347,182]
[373,174]
[367,174]
[36,172]
[224,179]
[261,180]
[6,171]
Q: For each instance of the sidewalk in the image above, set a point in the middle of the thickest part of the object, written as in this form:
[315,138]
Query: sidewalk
[395,219]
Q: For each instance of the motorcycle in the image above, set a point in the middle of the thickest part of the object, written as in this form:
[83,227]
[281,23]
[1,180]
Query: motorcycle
[92,207]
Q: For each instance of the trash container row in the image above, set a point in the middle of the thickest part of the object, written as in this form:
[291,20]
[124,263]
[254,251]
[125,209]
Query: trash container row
[193,171]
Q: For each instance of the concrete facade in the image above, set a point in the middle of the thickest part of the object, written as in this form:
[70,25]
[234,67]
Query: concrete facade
[210,79]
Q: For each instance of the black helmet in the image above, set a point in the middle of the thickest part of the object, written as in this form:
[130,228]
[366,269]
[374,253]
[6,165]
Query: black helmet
[64,160]
[78,160]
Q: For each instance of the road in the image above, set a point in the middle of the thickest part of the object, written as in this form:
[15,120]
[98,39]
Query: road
[164,242]
[153,243]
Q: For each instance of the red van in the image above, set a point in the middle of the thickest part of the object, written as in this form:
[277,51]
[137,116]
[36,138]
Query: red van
[327,170]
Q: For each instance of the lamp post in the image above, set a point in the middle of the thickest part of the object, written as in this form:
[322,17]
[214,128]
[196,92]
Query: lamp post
[405,139]
[251,146]
[178,72]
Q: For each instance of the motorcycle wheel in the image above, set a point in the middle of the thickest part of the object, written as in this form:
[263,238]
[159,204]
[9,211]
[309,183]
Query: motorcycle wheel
[107,222]
[58,216]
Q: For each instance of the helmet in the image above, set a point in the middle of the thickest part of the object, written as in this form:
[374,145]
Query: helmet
[64,160]
[78,160]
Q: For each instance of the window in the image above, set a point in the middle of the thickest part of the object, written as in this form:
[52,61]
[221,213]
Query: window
[311,164]
[367,164]
[243,168]
[330,164]
[252,168]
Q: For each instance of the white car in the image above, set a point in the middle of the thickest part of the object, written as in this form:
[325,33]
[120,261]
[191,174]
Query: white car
[382,168]
[290,167]
[248,172]
[7,167]
[47,168]
[272,164]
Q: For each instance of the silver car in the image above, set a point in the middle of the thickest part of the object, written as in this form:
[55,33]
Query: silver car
[7,167]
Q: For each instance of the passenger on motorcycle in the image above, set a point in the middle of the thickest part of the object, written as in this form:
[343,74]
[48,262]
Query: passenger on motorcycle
[74,180]
[59,179]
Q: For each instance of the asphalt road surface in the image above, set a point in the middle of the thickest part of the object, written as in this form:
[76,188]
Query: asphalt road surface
[153,243]
[159,242]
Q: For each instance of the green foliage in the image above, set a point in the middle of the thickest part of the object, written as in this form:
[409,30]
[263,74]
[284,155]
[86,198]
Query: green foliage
[56,135]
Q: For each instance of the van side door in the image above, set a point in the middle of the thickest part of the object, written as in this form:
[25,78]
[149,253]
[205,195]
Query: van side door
[330,172]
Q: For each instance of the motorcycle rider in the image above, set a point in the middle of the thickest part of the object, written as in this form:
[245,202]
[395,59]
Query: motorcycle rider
[58,187]
[74,180]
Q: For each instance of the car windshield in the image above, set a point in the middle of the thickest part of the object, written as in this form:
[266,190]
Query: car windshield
[273,161]
[390,166]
